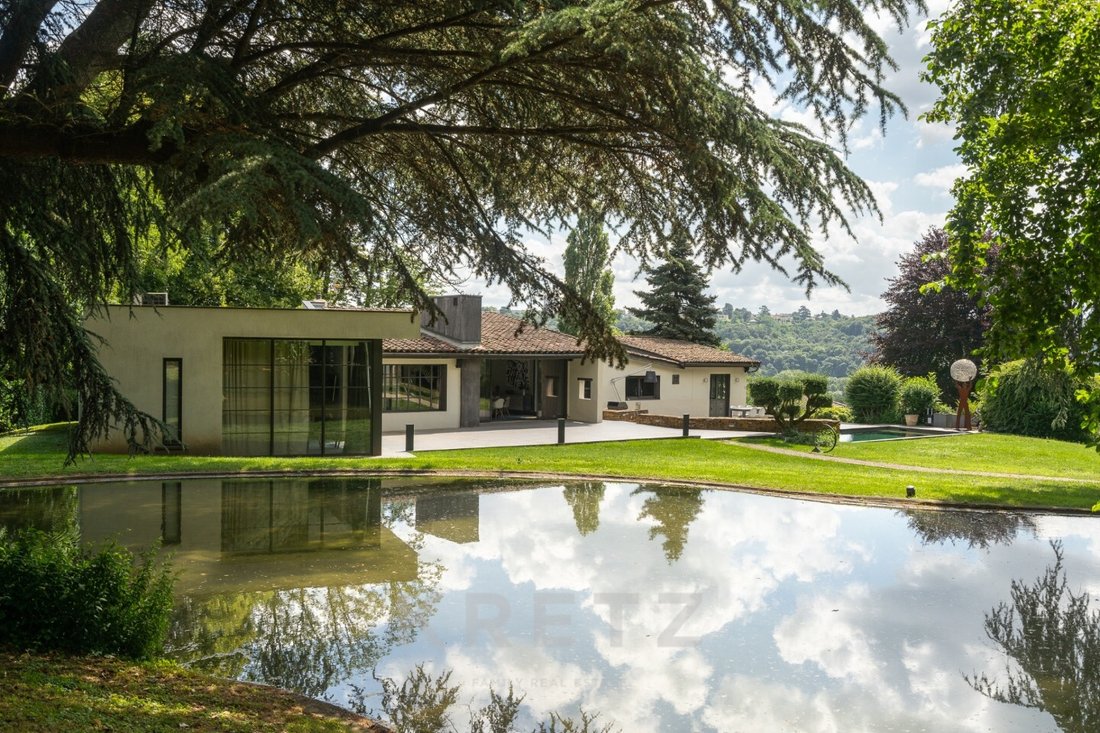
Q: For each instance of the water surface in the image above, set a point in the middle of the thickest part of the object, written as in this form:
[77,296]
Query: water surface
[661,608]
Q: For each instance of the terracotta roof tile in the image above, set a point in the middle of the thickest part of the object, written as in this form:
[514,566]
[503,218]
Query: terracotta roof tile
[422,345]
[683,353]
[498,336]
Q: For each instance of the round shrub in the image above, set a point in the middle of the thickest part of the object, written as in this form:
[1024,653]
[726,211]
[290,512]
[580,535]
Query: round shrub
[872,394]
[919,394]
[1023,398]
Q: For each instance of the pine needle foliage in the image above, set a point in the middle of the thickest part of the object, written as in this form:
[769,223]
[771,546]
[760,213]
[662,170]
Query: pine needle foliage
[398,136]
[676,302]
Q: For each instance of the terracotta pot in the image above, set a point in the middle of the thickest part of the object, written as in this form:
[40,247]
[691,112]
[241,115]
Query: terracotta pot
[910,420]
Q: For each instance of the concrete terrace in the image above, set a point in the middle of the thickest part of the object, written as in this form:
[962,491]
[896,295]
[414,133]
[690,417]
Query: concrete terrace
[540,432]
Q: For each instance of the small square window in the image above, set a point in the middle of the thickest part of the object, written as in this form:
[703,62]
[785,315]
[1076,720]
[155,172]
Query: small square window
[675,378]
[551,386]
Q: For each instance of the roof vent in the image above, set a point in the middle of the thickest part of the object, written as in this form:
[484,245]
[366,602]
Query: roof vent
[315,305]
[152,299]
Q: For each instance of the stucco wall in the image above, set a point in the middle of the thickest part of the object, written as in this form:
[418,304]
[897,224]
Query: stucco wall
[691,396]
[590,410]
[395,422]
[138,339]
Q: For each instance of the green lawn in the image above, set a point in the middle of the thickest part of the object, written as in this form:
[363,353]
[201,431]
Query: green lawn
[979,452]
[57,693]
[40,454]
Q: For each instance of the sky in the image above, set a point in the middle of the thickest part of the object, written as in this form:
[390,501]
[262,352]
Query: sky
[910,170]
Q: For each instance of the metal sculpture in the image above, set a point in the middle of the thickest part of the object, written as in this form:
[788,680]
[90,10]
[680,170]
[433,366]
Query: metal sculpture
[963,372]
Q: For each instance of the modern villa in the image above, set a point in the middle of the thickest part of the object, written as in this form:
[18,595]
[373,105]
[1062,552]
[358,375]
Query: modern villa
[325,381]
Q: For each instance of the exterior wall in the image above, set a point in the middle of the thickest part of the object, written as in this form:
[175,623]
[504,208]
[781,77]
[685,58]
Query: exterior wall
[578,408]
[690,397]
[138,340]
[395,422]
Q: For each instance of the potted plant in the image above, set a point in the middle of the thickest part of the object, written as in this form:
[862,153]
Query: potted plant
[918,395]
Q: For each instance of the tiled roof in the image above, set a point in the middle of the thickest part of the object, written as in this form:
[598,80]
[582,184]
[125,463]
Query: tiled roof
[498,336]
[422,345]
[683,353]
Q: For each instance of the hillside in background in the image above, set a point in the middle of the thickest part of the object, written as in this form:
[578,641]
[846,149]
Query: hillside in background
[832,344]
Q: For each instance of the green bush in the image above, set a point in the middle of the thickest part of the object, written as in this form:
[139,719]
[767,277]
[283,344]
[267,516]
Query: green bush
[872,394]
[790,399]
[1023,398]
[56,596]
[919,394]
[836,412]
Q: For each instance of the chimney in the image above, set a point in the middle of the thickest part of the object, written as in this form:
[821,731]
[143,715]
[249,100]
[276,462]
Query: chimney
[460,321]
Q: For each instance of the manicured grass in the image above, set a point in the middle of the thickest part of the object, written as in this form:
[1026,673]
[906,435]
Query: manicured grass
[977,452]
[41,453]
[59,693]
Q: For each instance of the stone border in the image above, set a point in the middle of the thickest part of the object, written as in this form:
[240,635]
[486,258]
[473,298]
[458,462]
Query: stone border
[885,502]
[743,424]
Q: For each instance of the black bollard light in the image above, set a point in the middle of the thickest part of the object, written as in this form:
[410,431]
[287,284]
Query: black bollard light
[409,438]
[910,491]
[561,430]
[687,424]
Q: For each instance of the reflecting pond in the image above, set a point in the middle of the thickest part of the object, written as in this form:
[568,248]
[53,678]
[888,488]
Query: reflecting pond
[662,608]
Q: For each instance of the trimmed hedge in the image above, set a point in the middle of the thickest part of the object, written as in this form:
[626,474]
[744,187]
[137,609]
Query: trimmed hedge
[872,394]
[56,596]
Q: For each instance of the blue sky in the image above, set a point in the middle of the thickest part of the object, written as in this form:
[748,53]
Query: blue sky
[910,170]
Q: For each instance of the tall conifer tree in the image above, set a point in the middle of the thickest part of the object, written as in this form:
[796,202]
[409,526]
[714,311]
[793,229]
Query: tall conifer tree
[587,270]
[677,303]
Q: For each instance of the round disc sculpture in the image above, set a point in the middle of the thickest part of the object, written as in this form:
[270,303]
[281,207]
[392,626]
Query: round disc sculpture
[963,372]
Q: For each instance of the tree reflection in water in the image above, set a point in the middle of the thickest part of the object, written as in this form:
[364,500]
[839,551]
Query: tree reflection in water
[674,509]
[51,509]
[979,529]
[312,632]
[584,499]
[1055,642]
[302,639]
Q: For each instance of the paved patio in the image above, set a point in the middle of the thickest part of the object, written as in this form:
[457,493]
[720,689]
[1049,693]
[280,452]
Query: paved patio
[539,432]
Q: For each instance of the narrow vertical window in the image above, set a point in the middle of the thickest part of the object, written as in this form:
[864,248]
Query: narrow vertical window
[173,402]
[170,512]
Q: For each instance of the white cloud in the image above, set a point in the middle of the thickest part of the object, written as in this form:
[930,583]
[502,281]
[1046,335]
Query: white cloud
[942,178]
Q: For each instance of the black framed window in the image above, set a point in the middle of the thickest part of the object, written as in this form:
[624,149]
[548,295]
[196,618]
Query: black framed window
[643,388]
[675,378]
[297,397]
[584,388]
[172,404]
[414,387]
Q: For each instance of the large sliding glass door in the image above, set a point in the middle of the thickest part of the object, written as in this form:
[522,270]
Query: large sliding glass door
[298,397]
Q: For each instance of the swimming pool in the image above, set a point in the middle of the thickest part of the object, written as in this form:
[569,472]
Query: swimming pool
[889,432]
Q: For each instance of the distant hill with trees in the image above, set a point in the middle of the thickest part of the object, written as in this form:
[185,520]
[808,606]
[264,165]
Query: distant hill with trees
[832,344]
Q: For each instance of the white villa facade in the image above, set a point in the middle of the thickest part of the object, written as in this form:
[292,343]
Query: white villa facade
[325,381]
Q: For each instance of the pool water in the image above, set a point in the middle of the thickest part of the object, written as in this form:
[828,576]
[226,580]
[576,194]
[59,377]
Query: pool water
[859,435]
[661,608]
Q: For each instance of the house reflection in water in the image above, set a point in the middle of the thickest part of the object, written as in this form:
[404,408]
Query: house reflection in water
[453,517]
[245,535]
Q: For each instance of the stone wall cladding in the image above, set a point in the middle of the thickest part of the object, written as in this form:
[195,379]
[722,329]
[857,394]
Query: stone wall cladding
[754,424]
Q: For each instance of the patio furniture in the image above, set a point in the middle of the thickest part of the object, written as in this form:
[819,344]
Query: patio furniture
[500,407]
